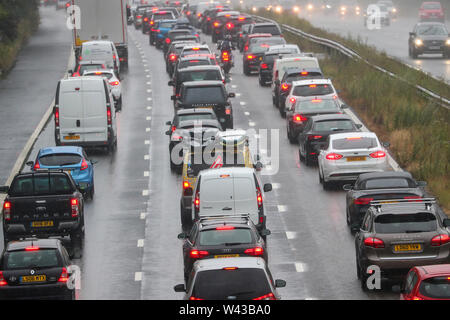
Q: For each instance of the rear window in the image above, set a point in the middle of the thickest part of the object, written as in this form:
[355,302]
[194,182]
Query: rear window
[355,143]
[312,90]
[436,288]
[190,63]
[333,125]
[405,223]
[200,75]
[165,24]
[213,94]
[196,116]
[60,159]
[388,183]
[317,105]
[273,30]
[196,51]
[41,184]
[43,258]
[299,76]
[431,6]
[90,67]
[176,33]
[106,75]
[221,160]
[225,237]
[241,284]
[164,16]
[263,46]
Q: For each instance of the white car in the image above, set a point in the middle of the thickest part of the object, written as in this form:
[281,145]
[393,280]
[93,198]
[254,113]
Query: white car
[347,155]
[101,50]
[311,88]
[114,84]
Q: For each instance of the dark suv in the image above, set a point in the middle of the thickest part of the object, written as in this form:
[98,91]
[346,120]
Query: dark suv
[207,94]
[398,234]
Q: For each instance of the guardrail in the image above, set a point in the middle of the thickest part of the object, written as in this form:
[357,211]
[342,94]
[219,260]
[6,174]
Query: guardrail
[353,55]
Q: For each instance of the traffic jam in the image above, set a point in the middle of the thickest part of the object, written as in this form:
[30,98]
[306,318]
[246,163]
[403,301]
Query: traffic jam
[229,211]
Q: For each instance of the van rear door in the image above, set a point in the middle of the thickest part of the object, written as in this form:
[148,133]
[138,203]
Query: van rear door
[245,201]
[95,123]
[216,196]
[71,111]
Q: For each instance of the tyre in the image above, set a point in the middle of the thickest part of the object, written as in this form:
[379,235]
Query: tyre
[246,70]
[291,138]
[76,241]
[327,185]
[92,191]
[185,218]
[300,156]
[308,160]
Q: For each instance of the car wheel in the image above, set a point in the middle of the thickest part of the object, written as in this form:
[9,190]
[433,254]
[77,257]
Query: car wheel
[76,241]
[261,83]
[348,217]
[246,70]
[92,192]
[326,184]
[185,218]
[300,156]
[414,54]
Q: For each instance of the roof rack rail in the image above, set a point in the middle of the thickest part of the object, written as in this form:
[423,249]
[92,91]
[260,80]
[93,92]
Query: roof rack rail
[231,216]
[424,202]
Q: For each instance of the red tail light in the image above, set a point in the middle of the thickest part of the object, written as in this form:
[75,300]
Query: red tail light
[172,57]
[285,87]
[268,296]
[186,185]
[108,115]
[259,198]
[245,48]
[114,83]
[374,242]
[312,137]
[304,73]
[75,207]
[139,17]
[264,66]
[250,57]
[197,202]
[230,25]
[167,40]
[152,22]
[57,116]
[198,254]
[7,210]
[333,156]
[228,111]
[299,118]
[36,166]
[2,280]
[292,100]
[378,154]
[192,297]
[145,19]
[173,129]
[64,275]
[362,201]
[440,240]
[258,251]
[84,165]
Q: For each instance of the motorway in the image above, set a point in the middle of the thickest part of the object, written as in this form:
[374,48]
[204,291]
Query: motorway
[131,247]
[392,39]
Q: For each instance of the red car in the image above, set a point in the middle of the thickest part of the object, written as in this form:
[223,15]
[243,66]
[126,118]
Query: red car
[431,11]
[427,283]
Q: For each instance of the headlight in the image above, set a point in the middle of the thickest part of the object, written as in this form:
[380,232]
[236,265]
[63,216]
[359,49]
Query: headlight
[310,7]
[254,9]
[394,10]
[278,9]
[418,42]
[447,42]
[296,9]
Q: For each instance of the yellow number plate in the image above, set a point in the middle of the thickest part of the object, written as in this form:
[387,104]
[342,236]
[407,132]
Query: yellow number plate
[39,278]
[356,159]
[37,224]
[407,247]
[72,138]
[226,256]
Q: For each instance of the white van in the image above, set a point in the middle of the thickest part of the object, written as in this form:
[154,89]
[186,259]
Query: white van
[102,51]
[84,113]
[296,61]
[230,191]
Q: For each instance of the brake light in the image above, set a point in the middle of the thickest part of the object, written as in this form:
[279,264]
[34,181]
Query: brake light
[374,242]
[258,251]
[259,198]
[312,137]
[172,57]
[75,207]
[145,19]
[230,25]
[268,296]
[250,57]
[36,166]
[304,73]
[2,280]
[264,66]
[197,202]
[230,268]
[167,40]
[57,116]
[198,254]
[285,87]
[241,18]
[195,49]
[440,240]
[362,201]
[114,83]
[292,100]
[192,297]
[186,184]
[108,115]
[227,111]
[378,154]
[139,17]
[64,276]
[333,156]
[225,227]
[215,24]
[299,118]
[7,210]
[84,165]
[152,22]
[245,48]
[32,248]
[313,86]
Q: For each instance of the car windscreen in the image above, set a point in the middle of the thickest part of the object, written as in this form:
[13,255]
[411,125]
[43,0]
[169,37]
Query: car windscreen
[405,223]
[199,75]
[42,258]
[384,183]
[41,184]
[312,90]
[196,62]
[436,287]
[317,105]
[225,237]
[204,94]
[432,30]
[237,284]
[263,46]
[354,143]
[196,116]
[333,125]
[60,159]
[272,29]
[166,24]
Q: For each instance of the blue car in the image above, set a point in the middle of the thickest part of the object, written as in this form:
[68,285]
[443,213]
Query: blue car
[71,159]
[158,33]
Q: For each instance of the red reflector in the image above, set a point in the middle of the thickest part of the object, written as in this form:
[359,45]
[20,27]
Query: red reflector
[36,166]
[333,156]
[2,280]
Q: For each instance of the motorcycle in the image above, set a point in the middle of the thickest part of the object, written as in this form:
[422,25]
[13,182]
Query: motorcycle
[226,60]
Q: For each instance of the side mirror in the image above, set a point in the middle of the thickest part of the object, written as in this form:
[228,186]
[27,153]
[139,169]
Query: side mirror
[30,163]
[412,34]
[265,232]
[4,189]
[170,83]
[70,71]
[182,236]
[280,283]
[344,106]
[446,223]
[422,183]
[231,95]
[168,123]
[358,125]
[386,144]
[267,187]
[258,166]
[173,98]
[179,288]
[347,187]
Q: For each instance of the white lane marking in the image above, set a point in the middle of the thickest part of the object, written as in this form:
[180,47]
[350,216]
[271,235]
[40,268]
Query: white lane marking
[234,86]
[149,90]
[149,82]
[149,108]
[282,208]
[147,129]
[291,235]
[147,141]
[148,118]
[144,193]
[140,243]
[146,173]
[251,124]
[238,94]
[138,276]
[148,76]
[147,157]
[247,113]
[243,103]
[143,215]
[300,267]
[149,99]
[275,185]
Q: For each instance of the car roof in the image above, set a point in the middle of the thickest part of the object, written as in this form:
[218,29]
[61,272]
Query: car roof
[265,24]
[203,83]
[235,171]
[433,270]
[200,68]
[311,81]
[220,263]
[87,62]
[385,174]
[194,57]
[223,13]
[199,45]
[60,149]
[41,243]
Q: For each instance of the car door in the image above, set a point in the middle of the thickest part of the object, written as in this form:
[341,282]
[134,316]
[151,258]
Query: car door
[302,136]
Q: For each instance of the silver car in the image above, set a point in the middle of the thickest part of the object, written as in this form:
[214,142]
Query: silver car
[347,155]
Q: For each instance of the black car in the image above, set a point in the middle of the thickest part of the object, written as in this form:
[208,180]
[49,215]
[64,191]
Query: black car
[209,17]
[196,133]
[379,186]
[267,61]
[232,26]
[139,15]
[281,88]
[43,203]
[196,73]
[38,268]
[242,36]
[429,38]
[299,112]
[173,53]
[222,237]
[207,94]
[172,35]
[253,56]
[316,131]
[265,27]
